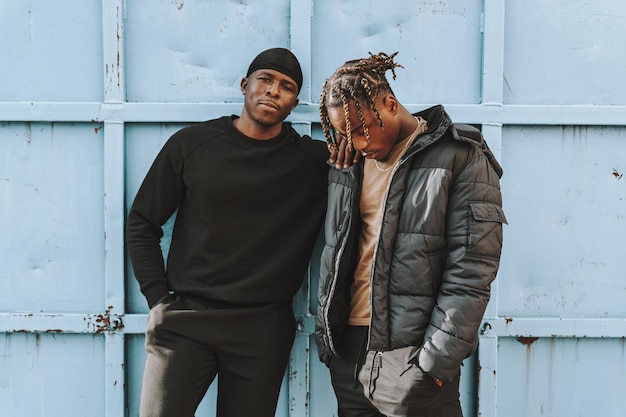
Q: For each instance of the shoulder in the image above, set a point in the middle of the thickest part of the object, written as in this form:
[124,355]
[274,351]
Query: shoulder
[203,130]
[189,138]
[471,135]
[313,148]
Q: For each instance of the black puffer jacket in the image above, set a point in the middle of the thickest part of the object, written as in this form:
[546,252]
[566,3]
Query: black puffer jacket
[438,250]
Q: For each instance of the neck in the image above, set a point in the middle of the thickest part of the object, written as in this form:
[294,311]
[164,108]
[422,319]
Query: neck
[255,130]
[408,124]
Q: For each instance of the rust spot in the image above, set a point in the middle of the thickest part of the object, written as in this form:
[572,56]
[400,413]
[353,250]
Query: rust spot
[527,340]
[617,175]
[508,320]
[95,129]
[486,327]
[106,324]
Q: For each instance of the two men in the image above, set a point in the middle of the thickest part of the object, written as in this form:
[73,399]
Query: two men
[413,242]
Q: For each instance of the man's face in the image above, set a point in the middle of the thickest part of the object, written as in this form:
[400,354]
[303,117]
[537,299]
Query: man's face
[381,141]
[269,96]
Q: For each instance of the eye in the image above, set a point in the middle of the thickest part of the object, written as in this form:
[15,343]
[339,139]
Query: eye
[289,87]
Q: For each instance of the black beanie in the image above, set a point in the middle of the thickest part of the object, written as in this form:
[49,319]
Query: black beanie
[281,60]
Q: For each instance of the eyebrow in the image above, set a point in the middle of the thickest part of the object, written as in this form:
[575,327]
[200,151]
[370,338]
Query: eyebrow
[284,78]
[357,129]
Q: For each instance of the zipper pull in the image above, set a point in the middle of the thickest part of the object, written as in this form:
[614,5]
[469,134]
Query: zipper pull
[378,359]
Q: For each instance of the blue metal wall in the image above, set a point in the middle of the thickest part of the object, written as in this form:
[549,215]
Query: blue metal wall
[91,89]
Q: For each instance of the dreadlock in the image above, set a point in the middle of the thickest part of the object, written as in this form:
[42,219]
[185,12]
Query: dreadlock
[359,81]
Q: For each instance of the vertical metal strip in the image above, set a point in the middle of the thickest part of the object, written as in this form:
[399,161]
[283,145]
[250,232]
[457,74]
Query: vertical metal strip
[113,49]
[492,95]
[114,264]
[300,30]
[487,378]
[493,52]
[114,216]
[115,382]
[493,136]
[299,376]
[114,92]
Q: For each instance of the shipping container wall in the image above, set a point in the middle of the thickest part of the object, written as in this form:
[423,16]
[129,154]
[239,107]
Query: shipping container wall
[91,89]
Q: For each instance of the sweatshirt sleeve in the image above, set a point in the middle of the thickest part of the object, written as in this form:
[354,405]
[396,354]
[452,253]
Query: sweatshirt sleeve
[474,241]
[157,199]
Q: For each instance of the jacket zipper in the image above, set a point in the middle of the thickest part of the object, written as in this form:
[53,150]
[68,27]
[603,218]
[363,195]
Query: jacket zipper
[340,251]
[377,364]
[395,169]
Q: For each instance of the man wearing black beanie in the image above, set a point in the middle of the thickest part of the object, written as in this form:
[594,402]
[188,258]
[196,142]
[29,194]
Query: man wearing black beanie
[249,195]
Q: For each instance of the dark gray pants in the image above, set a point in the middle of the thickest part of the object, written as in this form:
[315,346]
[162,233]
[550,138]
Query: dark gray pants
[437,401]
[188,344]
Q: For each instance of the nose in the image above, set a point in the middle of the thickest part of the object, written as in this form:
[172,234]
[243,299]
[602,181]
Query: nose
[274,88]
[359,142]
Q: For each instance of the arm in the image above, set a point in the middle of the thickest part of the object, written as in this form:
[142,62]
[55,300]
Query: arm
[155,202]
[474,241]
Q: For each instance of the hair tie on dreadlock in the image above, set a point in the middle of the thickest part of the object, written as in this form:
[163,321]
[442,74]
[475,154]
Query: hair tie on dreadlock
[385,62]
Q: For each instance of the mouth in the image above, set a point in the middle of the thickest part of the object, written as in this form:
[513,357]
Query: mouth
[269,104]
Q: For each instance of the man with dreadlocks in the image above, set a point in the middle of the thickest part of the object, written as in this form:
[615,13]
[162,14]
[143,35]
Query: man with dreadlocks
[249,195]
[413,241]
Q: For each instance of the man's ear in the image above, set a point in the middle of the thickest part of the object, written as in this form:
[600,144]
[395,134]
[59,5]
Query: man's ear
[295,104]
[390,103]
[243,85]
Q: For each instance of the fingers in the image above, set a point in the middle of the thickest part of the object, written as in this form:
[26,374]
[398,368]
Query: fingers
[343,155]
[341,152]
[332,149]
[354,155]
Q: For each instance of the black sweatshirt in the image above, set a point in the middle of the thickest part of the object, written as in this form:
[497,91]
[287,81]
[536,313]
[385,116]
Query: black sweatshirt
[249,213]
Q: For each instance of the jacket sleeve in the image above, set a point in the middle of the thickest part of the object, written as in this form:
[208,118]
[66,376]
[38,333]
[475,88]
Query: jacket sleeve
[473,230]
[157,199]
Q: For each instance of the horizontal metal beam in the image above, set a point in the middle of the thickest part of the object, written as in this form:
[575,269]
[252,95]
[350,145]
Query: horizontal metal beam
[95,323]
[561,327]
[61,323]
[576,115]
[554,327]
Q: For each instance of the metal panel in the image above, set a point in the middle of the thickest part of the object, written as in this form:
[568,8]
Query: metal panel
[90,90]
[564,52]
[568,194]
[52,217]
[51,51]
[51,375]
[186,51]
[560,377]
[439,43]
